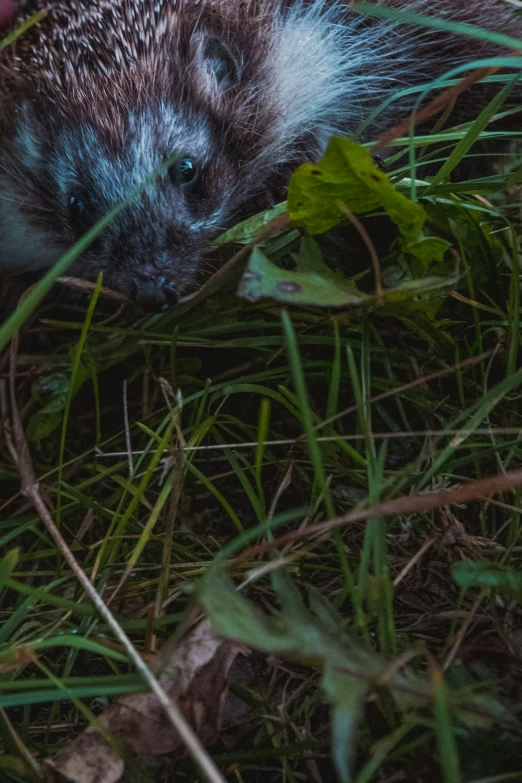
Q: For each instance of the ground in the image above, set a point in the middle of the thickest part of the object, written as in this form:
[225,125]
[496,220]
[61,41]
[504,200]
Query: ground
[352,467]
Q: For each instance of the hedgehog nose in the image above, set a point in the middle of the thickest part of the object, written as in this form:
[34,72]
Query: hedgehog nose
[153,293]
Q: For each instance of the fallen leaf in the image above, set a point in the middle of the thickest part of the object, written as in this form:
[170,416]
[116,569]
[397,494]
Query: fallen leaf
[15,659]
[311,282]
[195,675]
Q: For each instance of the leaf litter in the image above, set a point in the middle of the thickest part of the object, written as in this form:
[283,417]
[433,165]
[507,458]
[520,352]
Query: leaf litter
[194,674]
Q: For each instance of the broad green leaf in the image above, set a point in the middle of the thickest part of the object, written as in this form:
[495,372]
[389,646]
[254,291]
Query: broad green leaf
[468,573]
[350,668]
[235,617]
[313,283]
[310,283]
[347,174]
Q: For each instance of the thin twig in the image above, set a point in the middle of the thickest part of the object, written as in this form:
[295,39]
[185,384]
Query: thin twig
[415,559]
[463,631]
[435,106]
[369,244]
[409,504]
[275,226]
[281,489]
[30,490]
[87,287]
[462,433]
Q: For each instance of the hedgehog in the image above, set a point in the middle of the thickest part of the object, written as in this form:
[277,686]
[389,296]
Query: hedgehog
[228,96]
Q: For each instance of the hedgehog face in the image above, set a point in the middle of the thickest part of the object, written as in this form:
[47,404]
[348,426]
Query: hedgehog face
[240,92]
[177,182]
[167,173]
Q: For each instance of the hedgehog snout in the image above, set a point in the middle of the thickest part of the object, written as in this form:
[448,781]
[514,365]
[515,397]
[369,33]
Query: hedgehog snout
[153,292]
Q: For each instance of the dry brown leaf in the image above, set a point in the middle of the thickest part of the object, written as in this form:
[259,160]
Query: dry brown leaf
[195,675]
[17,659]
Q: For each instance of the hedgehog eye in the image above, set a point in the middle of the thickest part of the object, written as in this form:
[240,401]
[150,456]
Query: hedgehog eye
[78,214]
[183,172]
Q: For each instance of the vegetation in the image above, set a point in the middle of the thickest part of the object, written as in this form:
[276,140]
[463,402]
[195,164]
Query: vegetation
[328,465]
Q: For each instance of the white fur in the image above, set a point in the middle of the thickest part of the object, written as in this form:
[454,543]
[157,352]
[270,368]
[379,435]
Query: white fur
[329,70]
[324,69]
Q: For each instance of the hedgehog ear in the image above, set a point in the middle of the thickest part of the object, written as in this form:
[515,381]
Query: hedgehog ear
[27,140]
[219,64]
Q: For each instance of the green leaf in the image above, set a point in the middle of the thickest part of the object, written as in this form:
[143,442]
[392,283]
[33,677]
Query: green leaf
[324,610]
[428,250]
[425,287]
[347,695]
[310,283]
[249,229]
[51,392]
[43,423]
[350,668]
[475,239]
[347,174]
[468,573]
[235,617]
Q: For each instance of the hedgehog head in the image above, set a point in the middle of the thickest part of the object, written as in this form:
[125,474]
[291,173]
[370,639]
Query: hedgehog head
[109,91]
[164,163]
